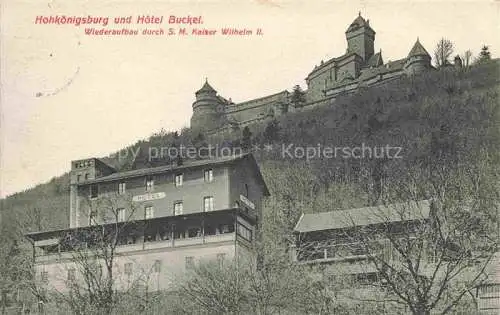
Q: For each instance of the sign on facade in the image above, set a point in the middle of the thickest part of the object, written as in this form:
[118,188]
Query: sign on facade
[148,197]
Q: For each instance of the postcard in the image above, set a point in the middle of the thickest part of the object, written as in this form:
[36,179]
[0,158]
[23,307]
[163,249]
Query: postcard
[249,157]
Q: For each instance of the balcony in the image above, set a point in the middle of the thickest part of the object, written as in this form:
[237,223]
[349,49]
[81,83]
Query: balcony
[140,246]
[331,253]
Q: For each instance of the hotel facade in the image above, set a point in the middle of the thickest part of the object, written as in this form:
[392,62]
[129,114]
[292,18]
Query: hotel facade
[156,222]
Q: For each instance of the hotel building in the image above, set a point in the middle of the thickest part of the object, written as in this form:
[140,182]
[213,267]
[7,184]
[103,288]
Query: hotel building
[158,221]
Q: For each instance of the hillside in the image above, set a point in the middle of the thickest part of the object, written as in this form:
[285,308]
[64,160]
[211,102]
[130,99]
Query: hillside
[438,118]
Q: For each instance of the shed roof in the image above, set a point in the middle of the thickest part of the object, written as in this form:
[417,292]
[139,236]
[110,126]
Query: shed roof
[341,219]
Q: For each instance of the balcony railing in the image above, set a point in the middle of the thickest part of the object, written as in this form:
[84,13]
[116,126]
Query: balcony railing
[332,253]
[126,248]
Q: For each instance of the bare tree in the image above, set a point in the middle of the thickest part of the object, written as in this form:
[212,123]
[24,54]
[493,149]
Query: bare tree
[430,259]
[443,51]
[18,287]
[467,58]
[94,285]
[275,286]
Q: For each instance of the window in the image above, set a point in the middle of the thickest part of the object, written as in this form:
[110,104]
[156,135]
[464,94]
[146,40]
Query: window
[178,180]
[150,184]
[86,176]
[94,191]
[244,232]
[189,262]
[149,212]
[71,274]
[246,190]
[120,214]
[208,175]
[121,188]
[157,266]
[178,208]
[128,269]
[208,203]
[78,178]
[44,276]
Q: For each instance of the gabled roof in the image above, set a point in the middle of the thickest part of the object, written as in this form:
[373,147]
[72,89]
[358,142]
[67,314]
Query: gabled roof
[206,88]
[342,219]
[418,50]
[375,60]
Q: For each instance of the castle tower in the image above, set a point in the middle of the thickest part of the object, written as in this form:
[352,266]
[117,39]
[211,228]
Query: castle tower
[208,108]
[418,59]
[360,38]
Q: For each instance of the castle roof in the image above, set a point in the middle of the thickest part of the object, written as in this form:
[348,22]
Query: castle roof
[358,22]
[206,88]
[418,50]
[375,60]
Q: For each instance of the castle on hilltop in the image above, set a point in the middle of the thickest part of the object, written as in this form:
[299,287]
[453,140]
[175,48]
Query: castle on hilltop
[359,67]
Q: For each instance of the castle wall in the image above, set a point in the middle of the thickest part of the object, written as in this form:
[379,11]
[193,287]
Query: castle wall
[330,74]
[257,108]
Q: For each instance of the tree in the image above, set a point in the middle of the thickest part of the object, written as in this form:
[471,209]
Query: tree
[17,278]
[276,286]
[96,285]
[271,133]
[246,141]
[429,259]
[443,51]
[484,55]
[298,98]
[467,58]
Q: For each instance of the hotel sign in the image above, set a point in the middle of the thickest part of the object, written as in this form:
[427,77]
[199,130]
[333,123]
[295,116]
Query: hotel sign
[148,197]
[247,202]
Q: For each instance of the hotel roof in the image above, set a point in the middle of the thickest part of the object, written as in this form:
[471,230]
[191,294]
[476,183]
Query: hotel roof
[186,165]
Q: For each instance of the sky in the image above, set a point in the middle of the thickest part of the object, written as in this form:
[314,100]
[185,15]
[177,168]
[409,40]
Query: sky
[66,95]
